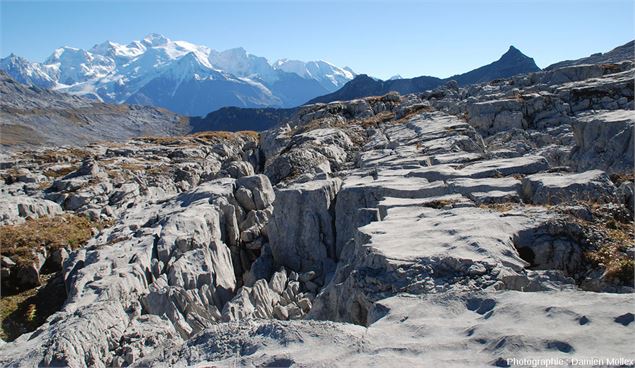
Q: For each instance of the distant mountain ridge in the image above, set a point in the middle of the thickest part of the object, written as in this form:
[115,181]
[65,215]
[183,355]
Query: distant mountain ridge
[624,52]
[236,119]
[511,63]
[186,78]
[364,86]
[31,116]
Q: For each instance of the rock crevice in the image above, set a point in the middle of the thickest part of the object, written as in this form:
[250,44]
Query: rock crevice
[382,212]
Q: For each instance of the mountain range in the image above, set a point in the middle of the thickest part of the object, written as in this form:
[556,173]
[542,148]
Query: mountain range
[511,63]
[234,119]
[195,80]
[237,88]
[183,77]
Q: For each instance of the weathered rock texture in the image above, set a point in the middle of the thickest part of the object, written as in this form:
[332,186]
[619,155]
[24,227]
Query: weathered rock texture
[465,226]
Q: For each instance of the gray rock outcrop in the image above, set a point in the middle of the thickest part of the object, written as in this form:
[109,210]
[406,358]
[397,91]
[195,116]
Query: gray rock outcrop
[496,215]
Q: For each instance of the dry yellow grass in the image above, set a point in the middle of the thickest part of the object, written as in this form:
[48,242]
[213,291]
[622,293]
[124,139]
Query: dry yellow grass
[317,124]
[377,119]
[610,67]
[43,185]
[250,133]
[222,134]
[373,99]
[165,140]
[619,178]
[618,238]
[21,242]
[9,307]
[62,171]
[159,170]
[500,207]
[617,265]
[439,203]
[614,234]
[60,155]
[132,166]
[199,137]
[414,111]
[215,134]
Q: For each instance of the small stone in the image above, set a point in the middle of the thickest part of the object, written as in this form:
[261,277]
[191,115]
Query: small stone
[293,276]
[118,362]
[280,312]
[238,169]
[156,267]
[245,198]
[260,188]
[476,269]
[56,260]
[286,297]
[305,305]
[294,312]
[294,286]
[278,281]
[28,276]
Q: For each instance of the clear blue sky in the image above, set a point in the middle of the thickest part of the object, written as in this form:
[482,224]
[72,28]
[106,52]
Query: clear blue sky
[380,38]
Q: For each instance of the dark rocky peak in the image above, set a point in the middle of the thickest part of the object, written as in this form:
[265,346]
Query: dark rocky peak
[514,55]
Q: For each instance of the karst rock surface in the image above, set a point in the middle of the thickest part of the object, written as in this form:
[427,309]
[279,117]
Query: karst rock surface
[454,226]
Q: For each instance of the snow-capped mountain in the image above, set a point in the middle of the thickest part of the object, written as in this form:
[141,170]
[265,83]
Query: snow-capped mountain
[26,72]
[238,62]
[186,78]
[328,75]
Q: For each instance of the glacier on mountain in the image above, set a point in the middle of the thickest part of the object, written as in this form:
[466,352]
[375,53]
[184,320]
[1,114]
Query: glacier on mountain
[155,71]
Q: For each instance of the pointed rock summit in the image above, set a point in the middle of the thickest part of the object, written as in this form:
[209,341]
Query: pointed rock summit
[510,63]
[512,50]
[514,55]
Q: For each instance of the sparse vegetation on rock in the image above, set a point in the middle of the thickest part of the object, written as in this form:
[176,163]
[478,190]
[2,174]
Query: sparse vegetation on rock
[499,213]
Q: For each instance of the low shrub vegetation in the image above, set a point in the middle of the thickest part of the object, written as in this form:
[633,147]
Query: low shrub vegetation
[21,242]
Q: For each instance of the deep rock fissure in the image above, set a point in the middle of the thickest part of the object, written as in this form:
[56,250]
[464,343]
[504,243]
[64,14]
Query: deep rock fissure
[550,248]
[366,210]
